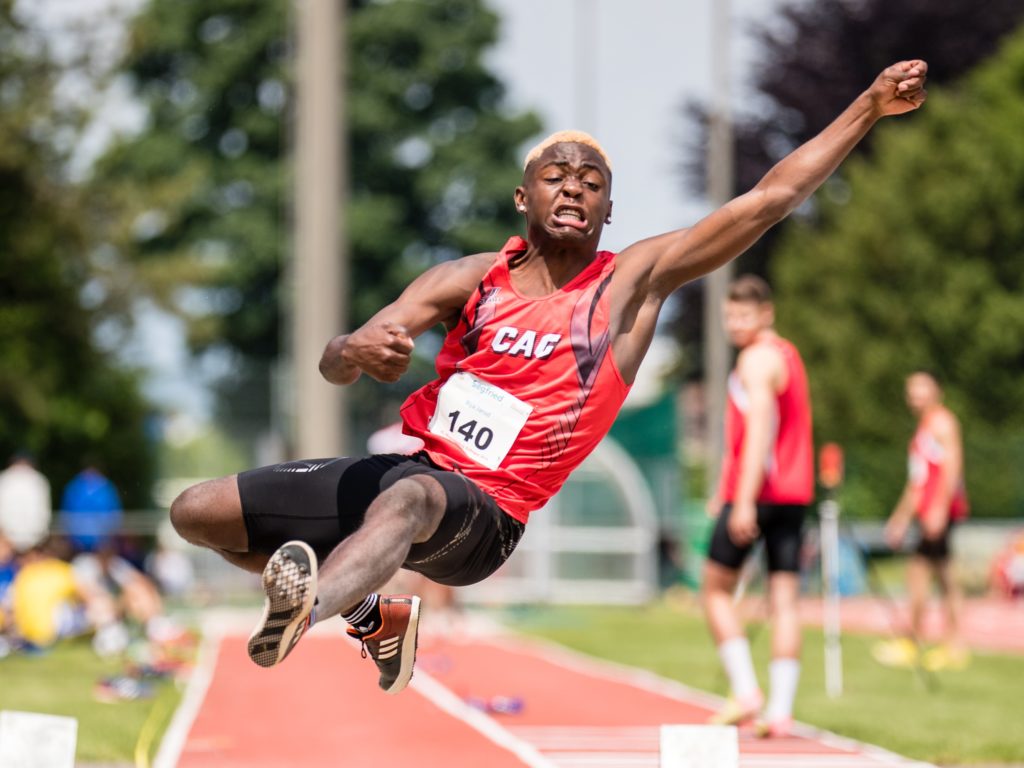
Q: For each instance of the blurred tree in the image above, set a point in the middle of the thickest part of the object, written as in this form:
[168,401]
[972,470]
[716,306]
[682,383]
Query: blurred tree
[62,395]
[917,260]
[815,57]
[198,202]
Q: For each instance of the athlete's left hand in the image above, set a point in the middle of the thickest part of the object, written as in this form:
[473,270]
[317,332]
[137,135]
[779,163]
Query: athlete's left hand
[900,88]
[742,525]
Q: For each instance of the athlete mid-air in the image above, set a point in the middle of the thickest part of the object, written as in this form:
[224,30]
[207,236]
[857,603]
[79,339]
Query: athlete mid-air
[544,339]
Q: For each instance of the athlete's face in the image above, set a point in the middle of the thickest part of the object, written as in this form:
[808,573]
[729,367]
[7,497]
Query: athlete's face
[744,320]
[566,194]
[922,392]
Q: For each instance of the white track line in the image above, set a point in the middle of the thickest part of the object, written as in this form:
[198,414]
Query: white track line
[174,738]
[649,681]
[445,700]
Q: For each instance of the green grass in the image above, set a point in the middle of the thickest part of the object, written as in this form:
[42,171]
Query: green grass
[60,682]
[972,717]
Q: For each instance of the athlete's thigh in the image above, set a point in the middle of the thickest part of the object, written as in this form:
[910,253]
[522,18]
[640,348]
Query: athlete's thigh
[782,528]
[318,501]
[474,538]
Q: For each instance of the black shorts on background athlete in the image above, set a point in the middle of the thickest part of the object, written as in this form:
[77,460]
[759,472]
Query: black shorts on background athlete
[323,501]
[781,526]
[936,549]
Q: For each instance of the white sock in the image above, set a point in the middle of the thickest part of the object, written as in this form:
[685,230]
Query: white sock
[739,667]
[783,674]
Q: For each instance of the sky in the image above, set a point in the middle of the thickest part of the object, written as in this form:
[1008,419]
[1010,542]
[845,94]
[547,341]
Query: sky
[620,70]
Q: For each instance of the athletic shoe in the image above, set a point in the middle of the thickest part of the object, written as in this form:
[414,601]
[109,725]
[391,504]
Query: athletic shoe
[901,652]
[289,582]
[779,728]
[946,657]
[393,644]
[738,710]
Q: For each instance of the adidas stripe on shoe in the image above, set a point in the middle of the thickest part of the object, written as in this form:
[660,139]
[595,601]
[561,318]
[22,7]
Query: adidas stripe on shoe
[393,645]
[289,583]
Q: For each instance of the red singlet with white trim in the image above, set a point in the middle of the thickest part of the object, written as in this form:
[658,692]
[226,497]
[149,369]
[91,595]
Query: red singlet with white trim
[528,386]
[925,457]
[789,472]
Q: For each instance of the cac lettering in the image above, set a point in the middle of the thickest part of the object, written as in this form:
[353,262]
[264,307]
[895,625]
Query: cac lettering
[512,341]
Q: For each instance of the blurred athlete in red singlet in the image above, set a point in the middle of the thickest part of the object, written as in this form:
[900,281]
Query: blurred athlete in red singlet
[767,482]
[935,495]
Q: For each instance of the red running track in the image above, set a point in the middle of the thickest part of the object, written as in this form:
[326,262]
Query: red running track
[988,624]
[322,708]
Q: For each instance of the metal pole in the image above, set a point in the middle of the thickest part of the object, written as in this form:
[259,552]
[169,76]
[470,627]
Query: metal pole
[720,191]
[585,40]
[319,267]
[829,513]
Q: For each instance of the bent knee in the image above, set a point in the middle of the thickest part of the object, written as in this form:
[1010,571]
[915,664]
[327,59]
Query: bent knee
[210,514]
[185,514]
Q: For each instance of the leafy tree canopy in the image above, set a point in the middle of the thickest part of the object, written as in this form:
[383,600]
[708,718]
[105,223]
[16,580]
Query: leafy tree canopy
[815,57]
[198,203]
[917,260]
[62,397]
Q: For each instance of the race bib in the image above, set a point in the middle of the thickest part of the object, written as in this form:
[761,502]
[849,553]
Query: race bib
[480,418]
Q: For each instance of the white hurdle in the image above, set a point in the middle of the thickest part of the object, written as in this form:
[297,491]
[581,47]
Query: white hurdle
[699,746]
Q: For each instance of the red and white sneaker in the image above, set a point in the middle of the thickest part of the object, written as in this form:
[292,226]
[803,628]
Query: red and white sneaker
[393,644]
[289,582]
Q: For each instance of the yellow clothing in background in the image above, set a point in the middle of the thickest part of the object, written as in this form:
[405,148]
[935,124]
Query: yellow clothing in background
[39,595]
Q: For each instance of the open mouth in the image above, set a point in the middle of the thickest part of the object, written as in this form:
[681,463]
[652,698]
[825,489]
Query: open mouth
[568,216]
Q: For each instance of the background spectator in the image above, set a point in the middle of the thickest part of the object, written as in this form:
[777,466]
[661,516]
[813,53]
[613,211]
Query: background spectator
[90,510]
[25,507]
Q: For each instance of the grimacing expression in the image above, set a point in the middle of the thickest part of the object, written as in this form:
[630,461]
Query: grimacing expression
[567,192]
[922,392]
[744,320]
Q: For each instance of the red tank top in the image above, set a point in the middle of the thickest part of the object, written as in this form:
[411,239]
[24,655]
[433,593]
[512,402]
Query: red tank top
[526,387]
[925,457]
[789,471]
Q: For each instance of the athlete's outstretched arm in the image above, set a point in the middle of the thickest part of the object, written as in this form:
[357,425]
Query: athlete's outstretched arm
[383,346]
[678,257]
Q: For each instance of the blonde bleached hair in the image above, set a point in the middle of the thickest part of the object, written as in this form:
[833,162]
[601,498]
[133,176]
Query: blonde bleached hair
[566,137]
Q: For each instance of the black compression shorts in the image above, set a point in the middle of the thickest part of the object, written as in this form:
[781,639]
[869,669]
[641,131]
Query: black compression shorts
[781,527]
[935,549]
[323,501]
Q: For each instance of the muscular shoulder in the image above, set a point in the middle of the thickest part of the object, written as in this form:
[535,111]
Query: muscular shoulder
[761,363]
[458,278]
[464,275]
[943,423]
[476,264]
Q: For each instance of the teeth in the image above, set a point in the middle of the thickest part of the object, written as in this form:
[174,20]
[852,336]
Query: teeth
[567,214]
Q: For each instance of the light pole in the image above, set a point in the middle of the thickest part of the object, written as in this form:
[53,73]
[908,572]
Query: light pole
[720,191]
[319,265]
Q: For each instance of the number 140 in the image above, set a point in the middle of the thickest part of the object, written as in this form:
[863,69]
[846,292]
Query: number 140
[481,437]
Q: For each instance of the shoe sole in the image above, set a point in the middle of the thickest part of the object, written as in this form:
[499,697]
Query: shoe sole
[409,643]
[287,604]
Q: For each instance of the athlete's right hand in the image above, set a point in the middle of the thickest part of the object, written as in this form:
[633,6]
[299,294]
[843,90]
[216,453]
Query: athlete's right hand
[742,523]
[895,532]
[383,350]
